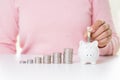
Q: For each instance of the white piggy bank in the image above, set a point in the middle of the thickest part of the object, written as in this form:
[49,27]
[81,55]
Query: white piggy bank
[88,52]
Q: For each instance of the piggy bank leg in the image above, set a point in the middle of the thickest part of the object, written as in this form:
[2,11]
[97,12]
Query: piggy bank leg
[88,62]
[83,62]
[94,62]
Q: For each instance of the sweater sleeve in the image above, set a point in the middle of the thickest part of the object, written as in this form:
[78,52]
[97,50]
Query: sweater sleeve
[101,11]
[8,26]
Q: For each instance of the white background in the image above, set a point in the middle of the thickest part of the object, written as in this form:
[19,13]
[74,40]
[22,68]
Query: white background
[115,9]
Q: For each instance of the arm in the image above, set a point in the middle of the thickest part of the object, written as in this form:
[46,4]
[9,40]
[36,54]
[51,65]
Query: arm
[8,26]
[101,11]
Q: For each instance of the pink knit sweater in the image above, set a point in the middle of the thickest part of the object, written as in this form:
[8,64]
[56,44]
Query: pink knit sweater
[47,26]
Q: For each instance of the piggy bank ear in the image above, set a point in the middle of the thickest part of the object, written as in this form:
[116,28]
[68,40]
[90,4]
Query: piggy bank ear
[95,43]
[81,43]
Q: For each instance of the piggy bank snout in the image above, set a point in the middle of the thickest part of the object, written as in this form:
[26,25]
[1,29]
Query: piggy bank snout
[89,55]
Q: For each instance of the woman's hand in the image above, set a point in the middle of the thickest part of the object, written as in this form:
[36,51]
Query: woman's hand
[101,32]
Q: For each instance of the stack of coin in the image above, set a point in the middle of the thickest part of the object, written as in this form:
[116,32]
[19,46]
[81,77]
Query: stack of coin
[38,60]
[23,62]
[47,59]
[68,56]
[57,57]
[30,61]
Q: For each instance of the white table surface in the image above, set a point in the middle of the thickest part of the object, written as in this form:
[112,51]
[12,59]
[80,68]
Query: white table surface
[107,68]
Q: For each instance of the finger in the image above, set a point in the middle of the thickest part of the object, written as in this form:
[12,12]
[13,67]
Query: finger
[100,30]
[104,41]
[97,24]
[104,34]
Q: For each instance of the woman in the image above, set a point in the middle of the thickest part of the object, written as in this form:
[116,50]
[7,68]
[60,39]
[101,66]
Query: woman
[47,26]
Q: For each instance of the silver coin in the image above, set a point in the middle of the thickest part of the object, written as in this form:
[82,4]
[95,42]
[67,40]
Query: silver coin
[68,56]
[57,57]
[47,59]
